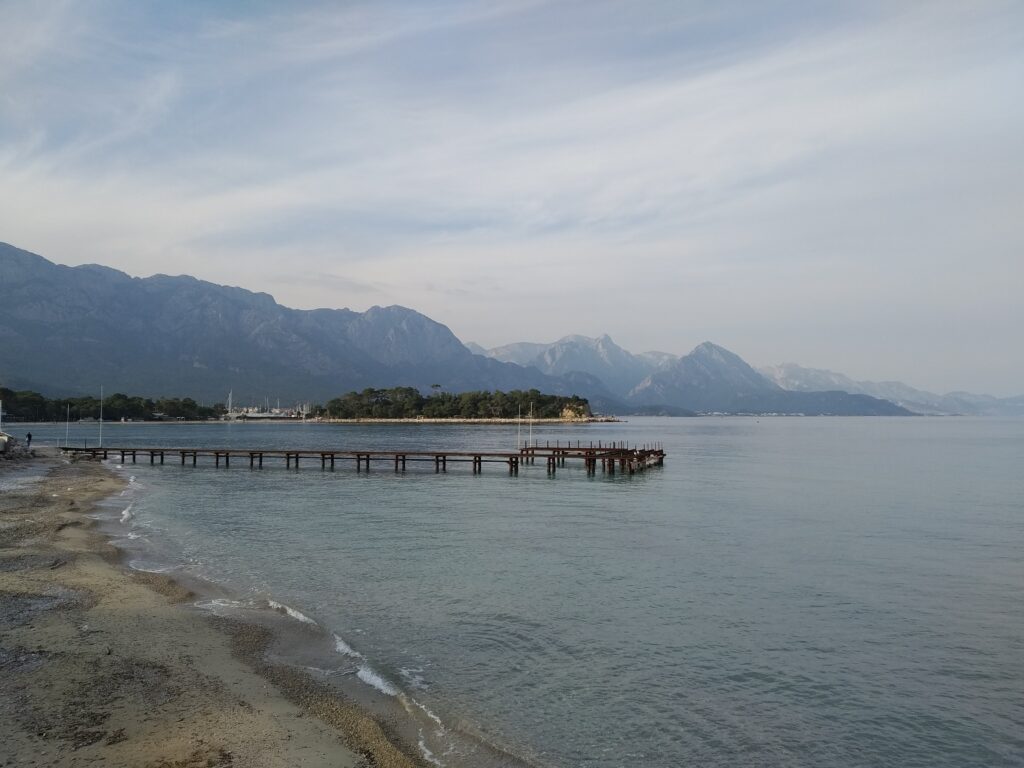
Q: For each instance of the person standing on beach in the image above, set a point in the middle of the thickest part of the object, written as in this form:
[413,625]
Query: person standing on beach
[28,440]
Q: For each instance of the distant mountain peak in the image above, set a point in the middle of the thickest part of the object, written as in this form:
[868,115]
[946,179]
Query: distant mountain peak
[393,310]
[599,357]
[710,349]
[590,341]
[712,379]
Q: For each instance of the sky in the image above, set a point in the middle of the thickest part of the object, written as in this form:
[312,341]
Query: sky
[835,184]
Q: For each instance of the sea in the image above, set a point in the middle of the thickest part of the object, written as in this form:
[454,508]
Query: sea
[782,592]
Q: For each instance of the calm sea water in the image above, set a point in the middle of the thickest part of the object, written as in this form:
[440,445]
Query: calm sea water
[785,591]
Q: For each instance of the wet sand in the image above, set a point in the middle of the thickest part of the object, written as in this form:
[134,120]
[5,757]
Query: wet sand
[101,665]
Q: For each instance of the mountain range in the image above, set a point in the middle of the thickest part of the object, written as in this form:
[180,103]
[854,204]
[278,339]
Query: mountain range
[799,379]
[710,379]
[67,330]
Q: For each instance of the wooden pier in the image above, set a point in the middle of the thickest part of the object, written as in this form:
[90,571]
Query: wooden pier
[611,457]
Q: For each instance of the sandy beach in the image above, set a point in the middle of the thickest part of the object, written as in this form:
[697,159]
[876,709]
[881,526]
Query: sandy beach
[101,665]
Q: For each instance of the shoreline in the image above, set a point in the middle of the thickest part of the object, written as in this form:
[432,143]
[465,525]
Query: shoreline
[425,420]
[102,663]
[484,422]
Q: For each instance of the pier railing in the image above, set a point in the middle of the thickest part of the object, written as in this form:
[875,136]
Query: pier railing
[611,457]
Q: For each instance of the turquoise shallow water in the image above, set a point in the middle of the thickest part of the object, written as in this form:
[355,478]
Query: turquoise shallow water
[799,592]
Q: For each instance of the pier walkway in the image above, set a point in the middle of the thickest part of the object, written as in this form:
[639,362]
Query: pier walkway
[611,457]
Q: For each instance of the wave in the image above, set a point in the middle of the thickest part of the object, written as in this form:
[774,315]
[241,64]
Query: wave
[378,682]
[365,672]
[345,649]
[408,702]
[428,713]
[297,615]
[425,751]
[219,605]
[375,680]
[371,677]
[127,513]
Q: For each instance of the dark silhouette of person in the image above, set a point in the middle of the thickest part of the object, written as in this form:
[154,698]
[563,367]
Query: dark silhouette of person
[28,440]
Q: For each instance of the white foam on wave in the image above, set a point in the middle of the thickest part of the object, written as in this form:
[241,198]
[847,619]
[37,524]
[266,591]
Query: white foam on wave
[409,700]
[297,615]
[375,680]
[127,513]
[371,677]
[345,649]
[425,751]
[219,604]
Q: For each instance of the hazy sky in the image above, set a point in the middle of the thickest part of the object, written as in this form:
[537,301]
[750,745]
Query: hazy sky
[840,185]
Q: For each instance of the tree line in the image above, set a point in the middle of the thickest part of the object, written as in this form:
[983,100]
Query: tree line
[394,403]
[409,403]
[32,406]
